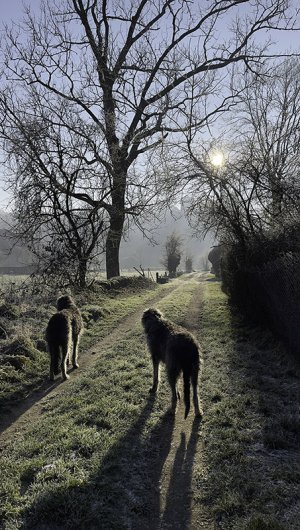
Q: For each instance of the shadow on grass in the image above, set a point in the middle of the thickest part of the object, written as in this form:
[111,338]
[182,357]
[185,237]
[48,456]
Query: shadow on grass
[177,512]
[123,493]
[261,430]
[17,405]
[271,374]
[251,429]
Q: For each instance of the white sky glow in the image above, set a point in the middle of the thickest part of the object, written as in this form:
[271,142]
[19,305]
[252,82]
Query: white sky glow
[217,159]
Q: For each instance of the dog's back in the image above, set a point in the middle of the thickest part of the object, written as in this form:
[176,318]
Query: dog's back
[182,349]
[58,338]
[58,327]
[173,341]
[178,349]
[65,305]
[63,328]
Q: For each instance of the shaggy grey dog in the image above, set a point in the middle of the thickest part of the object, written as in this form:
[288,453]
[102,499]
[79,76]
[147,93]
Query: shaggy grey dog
[63,330]
[178,350]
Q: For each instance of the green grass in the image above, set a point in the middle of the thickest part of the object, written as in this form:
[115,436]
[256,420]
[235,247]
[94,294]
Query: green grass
[87,462]
[91,459]
[251,427]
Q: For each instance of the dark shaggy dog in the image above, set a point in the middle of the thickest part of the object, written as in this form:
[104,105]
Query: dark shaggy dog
[63,329]
[179,350]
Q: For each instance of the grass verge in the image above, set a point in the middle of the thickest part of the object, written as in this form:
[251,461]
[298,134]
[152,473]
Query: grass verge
[251,429]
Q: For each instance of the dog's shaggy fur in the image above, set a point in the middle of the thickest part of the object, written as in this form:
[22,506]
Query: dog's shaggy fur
[179,350]
[63,329]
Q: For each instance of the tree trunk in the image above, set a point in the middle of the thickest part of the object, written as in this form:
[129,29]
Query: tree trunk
[115,232]
[113,242]
[82,272]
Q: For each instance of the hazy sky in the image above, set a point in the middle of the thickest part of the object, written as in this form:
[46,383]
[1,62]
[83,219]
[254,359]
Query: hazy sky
[11,10]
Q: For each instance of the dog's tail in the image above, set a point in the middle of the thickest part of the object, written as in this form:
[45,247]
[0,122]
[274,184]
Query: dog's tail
[186,391]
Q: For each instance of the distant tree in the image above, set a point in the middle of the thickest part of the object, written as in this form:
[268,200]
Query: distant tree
[120,77]
[204,263]
[214,257]
[189,264]
[172,253]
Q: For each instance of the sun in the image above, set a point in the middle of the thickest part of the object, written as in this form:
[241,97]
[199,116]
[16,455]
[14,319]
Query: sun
[217,159]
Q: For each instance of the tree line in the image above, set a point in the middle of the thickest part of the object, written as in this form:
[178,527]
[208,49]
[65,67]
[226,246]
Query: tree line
[108,113]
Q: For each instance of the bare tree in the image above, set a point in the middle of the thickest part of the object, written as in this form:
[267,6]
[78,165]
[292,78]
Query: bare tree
[64,234]
[257,188]
[129,74]
[269,126]
[172,253]
[66,244]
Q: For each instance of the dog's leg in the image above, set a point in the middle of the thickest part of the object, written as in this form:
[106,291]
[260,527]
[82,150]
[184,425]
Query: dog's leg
[54,359]
[194,377]
[52,365]
[75,351]
[153,389]
[65,355]
[172,377]
[186,391]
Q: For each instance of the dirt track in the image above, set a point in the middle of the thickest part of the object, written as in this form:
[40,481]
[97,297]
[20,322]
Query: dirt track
[181,447]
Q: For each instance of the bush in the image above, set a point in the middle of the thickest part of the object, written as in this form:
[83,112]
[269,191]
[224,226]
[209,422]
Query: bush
[21,346]
[9,311]
[263,280]
[264,524]
[19,362]
[214,257]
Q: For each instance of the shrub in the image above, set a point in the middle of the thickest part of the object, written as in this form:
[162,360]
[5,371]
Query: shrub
[263,279]
[9,311]
[21,346]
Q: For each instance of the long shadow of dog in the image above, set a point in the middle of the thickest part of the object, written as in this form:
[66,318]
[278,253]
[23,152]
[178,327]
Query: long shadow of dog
[12,409]
[177,512]
[125,492]
[117,496]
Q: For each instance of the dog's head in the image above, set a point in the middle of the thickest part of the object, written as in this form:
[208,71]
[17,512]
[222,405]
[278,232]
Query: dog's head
[150,316]
[64,302]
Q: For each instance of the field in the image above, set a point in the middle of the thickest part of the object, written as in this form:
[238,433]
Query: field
[99,452]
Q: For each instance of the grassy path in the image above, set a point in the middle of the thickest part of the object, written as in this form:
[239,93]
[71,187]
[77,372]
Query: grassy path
[99,453]
[120,314]
[58,447]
